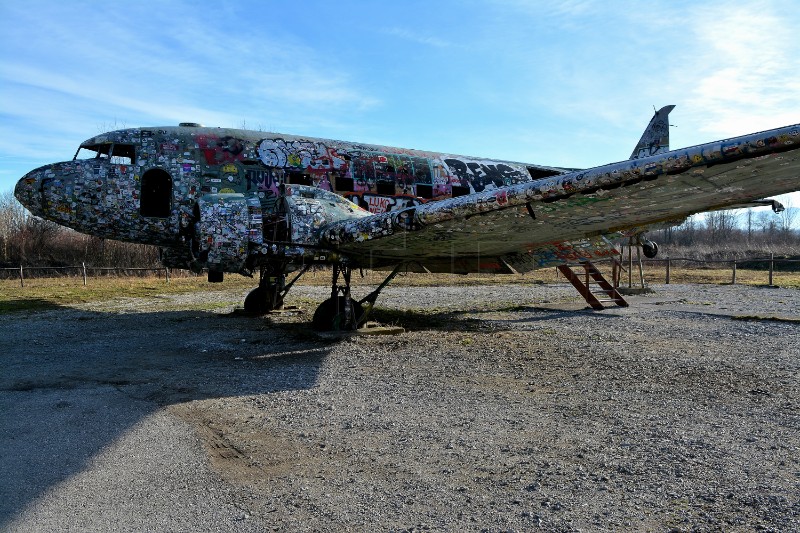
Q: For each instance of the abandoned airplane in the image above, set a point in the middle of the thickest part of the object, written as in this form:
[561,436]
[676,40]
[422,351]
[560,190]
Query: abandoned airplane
[239,201]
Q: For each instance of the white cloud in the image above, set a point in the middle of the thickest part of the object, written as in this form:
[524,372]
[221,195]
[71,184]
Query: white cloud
[417,38]
[746,63]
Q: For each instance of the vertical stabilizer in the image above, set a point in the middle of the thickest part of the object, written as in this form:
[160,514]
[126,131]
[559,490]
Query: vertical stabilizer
[655,138]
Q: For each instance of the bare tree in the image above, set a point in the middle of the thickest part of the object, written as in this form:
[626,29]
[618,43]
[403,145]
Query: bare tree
[787,218]
[14,219]
[767,223]
[721,225]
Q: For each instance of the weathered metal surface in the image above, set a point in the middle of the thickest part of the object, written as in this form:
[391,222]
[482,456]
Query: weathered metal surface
[230,200]
[582,204]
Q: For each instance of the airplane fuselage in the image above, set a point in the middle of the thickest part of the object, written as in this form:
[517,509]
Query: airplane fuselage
[228,188]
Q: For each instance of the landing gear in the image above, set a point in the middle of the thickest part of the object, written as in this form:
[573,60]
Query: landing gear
[271,290]
[268,296]
[262,300]
[649,248]
[339,312]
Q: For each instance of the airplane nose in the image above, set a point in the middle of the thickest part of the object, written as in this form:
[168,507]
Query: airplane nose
[28,191]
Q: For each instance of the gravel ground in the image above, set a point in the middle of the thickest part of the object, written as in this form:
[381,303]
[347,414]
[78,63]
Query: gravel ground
[503,407]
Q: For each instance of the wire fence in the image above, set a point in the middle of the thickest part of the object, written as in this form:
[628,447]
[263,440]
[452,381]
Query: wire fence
[670,266]
[22,272]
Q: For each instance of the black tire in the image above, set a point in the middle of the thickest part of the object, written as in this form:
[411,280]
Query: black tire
[650,249]
[330,315]
[259,302]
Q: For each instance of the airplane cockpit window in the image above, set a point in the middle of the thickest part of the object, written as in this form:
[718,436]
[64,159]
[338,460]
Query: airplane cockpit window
[119,154]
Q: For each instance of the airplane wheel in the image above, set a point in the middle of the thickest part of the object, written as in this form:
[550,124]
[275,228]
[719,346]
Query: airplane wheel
[650,249]
[259,302]
[330,315]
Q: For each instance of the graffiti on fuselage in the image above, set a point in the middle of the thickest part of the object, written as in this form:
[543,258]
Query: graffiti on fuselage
[306,155]
[377,204]
[485,174]
[385,172]
[219,150]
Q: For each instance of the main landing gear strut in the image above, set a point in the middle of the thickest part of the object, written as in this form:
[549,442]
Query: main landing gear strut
[271,290]
[340,312]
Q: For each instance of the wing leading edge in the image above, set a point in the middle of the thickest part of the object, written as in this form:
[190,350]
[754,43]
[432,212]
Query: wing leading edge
[513,224]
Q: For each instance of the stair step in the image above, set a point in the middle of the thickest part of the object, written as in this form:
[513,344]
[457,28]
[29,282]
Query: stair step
[589,279]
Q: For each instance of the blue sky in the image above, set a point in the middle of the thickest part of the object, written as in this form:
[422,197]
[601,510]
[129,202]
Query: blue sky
[568,83]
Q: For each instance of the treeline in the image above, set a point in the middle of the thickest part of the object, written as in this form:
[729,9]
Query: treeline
[33,242]
[735,234]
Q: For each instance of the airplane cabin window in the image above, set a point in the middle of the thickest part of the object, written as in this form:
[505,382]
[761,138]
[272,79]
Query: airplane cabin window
[123,154]
[120,154]
[459,190]
[95,151]
[385,187]
[297,178]
[344,184]
[156,195]
[424,190]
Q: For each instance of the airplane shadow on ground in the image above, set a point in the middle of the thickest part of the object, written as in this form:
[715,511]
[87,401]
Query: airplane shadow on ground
[73,382]
[479,319]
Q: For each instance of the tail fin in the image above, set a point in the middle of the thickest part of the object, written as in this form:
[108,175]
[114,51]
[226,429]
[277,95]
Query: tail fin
[655,138]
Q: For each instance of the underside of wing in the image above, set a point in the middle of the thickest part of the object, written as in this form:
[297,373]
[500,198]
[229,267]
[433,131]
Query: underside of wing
[504,226]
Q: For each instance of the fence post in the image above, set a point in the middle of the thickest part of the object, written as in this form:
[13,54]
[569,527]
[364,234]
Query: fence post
[83,267]
[733,277]
[666,281]
[21,278]
[771,267]
[630,267]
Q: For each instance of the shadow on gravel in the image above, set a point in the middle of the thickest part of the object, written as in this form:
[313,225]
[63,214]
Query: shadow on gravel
[28,304]
[72,382]
[473,319]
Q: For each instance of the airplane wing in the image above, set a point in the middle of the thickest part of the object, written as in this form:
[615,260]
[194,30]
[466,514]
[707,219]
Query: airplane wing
[560,218]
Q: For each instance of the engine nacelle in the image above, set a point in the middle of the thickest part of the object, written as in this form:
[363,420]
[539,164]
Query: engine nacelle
[226,226]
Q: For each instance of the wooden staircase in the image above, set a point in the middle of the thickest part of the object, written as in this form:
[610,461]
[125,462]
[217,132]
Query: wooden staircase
[594,288]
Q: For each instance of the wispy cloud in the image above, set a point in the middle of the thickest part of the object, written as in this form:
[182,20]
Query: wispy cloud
[418,38]
[570,83]
[748,58]
[88,64]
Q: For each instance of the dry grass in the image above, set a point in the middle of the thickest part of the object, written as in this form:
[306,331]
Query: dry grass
[657,275]
[44,293]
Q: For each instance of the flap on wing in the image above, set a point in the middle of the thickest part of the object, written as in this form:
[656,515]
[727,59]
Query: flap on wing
[558,253]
